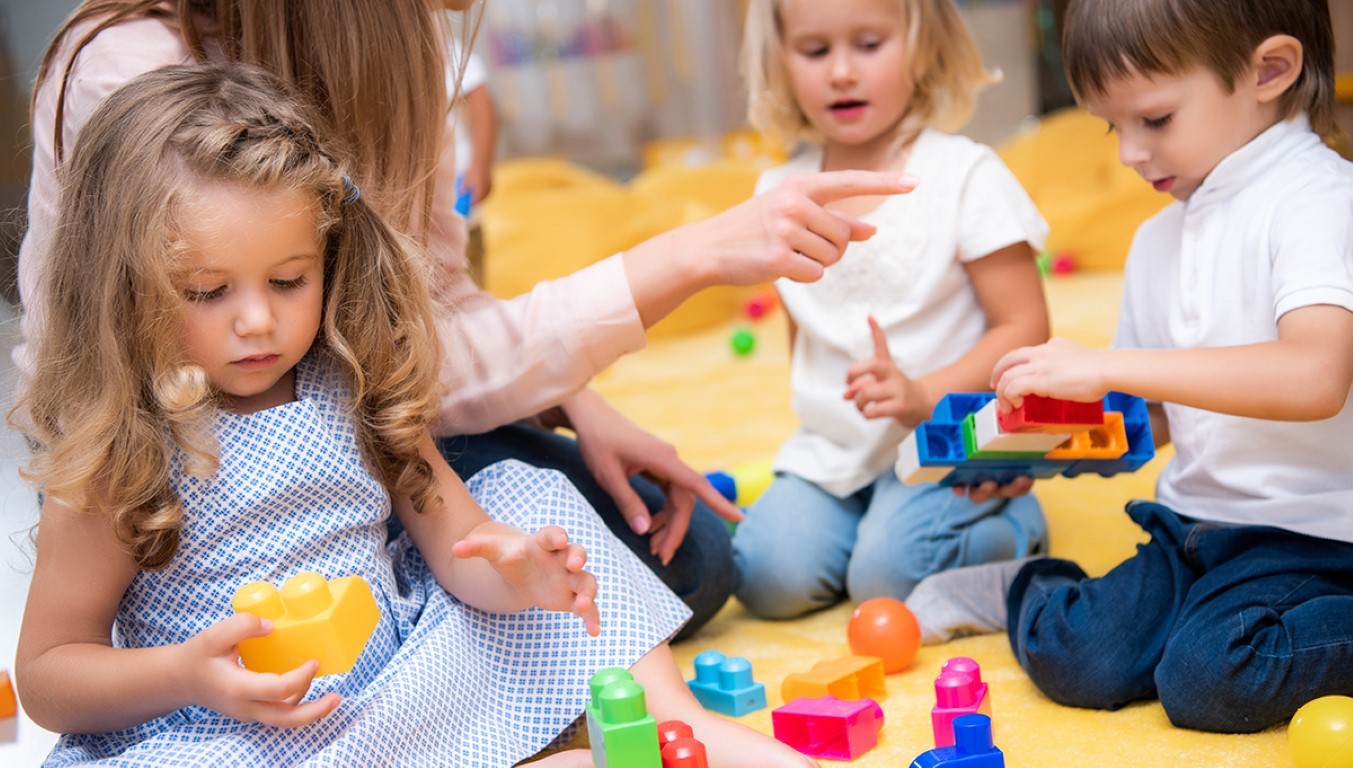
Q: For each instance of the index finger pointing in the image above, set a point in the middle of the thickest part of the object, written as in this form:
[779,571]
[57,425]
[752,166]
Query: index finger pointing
[834,185]
[880,340]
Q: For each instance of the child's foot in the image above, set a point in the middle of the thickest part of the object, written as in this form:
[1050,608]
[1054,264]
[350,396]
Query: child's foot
[731,745]
[963,601]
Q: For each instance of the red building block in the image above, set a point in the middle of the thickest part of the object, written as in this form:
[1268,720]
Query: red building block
[959,690]
[1048,414]
[828,727]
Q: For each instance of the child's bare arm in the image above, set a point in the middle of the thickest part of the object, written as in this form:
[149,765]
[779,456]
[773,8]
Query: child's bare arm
[494,566]
[73,680]
[1010,291]
[1305,375]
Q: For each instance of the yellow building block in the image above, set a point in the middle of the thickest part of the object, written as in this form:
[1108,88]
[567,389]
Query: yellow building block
[848,678]
[9,704]
[1106,441]
[312,619]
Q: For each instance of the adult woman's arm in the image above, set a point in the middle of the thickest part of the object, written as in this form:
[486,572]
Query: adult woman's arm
[509,359]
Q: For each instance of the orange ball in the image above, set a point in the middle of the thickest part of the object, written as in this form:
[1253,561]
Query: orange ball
[884,627]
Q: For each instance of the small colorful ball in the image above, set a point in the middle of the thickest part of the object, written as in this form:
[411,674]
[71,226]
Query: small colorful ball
[1321,733]
[885,628]
[761,304]
[743,342]
[1063,264]
[1044,262]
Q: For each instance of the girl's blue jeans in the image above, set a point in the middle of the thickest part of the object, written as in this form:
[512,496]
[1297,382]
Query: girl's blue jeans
[802,549]
[1232,628]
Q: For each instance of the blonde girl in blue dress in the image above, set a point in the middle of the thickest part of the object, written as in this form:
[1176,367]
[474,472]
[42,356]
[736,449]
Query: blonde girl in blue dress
[238,385]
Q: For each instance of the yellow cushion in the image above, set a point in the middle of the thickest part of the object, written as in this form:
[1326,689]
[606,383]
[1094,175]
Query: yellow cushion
[1094,204]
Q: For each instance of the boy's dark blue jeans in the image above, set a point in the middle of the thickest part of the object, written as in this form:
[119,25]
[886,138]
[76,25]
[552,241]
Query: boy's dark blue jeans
[701,573]
[1232,628]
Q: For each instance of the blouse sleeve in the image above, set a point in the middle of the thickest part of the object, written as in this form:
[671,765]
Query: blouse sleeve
[504,360]
[117,55]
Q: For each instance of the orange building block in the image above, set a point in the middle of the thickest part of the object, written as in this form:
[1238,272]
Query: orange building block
[312,619]
[848,678]
[9,704]
[1108,441]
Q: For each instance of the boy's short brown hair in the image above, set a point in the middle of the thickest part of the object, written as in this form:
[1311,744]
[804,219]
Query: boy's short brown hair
[1106,39]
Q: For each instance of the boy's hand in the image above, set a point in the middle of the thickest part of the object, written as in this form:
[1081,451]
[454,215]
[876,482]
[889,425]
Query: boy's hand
[210,667]
[1060,368]
[543,568]
[881,390]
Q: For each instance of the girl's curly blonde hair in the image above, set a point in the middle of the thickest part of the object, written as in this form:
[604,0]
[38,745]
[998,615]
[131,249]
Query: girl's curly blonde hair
[112,391]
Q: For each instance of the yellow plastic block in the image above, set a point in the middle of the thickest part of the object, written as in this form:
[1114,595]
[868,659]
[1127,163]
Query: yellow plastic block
[9,705]
[1106,441]
[312,619]
[752,478]
[848,678]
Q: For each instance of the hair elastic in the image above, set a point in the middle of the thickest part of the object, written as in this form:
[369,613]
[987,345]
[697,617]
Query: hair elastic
[351,193]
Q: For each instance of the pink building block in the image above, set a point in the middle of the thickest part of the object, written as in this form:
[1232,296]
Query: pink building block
[828,727]
[959,690]
[1048,414]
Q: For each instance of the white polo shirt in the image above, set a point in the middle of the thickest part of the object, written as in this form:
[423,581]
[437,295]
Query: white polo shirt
[910,277]
[1269,231]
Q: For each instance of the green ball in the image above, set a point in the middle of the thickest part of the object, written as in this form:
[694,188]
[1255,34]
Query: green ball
[1044,262]
[743,342]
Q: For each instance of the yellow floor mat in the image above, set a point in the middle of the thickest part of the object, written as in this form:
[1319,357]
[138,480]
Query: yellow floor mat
[721,410]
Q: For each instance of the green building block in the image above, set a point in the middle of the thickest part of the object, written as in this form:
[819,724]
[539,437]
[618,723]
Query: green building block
[622,733]
[970,445]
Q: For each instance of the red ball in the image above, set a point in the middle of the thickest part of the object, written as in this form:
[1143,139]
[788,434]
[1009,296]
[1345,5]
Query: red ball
[885,628]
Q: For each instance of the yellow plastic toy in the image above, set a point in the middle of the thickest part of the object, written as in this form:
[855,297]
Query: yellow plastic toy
[848,678]
[312,619]
[1321,733]
[9,704]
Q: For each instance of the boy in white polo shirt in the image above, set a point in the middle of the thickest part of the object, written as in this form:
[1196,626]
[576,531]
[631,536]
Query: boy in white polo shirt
[1237,320]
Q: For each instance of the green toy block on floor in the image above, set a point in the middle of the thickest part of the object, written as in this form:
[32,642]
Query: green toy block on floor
[622,733]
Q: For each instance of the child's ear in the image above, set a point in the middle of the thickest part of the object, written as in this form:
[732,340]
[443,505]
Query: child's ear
[1277,65]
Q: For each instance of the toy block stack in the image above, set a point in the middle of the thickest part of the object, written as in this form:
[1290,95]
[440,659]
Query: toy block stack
[968,441]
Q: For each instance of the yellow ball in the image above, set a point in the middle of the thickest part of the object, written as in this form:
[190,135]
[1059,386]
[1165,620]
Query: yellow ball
[1321,733]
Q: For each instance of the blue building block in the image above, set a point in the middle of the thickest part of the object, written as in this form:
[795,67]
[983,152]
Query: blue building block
[955,406]
[725,685]
[972,748]
[725,484]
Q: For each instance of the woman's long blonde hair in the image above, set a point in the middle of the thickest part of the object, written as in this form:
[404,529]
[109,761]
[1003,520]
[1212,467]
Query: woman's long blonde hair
[376,69]
[112,391]
[946,70]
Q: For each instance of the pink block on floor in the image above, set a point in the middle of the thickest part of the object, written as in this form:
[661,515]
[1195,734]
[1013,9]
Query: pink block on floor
[959,690]
[828,727]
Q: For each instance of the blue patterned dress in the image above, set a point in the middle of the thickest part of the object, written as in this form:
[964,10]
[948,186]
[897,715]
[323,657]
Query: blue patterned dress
[439,683]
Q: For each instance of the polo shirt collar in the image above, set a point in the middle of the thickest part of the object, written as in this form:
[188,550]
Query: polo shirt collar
[1245,166]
